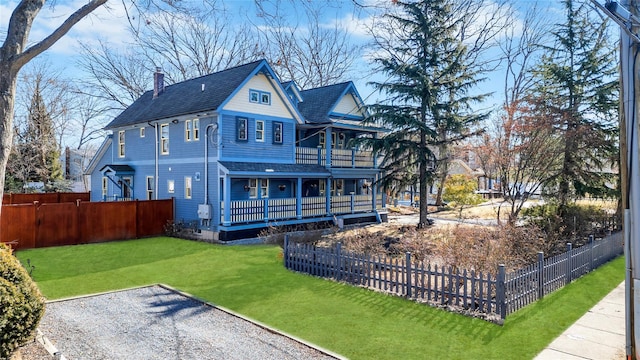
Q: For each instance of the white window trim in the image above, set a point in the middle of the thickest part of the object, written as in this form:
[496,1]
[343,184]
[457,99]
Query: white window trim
[188,187]
[264,188]
[253,188]
[188,129]
[142,130]
[105,186]
[171,186]
[164,141]
[261,132]
[121,142]
[150,190]
[196,129]
[321,139]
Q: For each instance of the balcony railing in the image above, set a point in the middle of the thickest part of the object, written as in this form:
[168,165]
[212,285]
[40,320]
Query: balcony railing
[344,158]
[246,211]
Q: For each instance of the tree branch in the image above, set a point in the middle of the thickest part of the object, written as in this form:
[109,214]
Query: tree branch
[58,33]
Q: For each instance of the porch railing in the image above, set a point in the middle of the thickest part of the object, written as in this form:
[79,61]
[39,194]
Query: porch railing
[246,211]
[350,158]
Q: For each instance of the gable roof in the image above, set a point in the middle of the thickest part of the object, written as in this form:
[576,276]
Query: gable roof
[319,102]
[188,97]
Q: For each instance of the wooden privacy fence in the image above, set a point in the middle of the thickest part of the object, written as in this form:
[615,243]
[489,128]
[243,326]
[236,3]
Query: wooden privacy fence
[28,226]
[499,294]
[44,198]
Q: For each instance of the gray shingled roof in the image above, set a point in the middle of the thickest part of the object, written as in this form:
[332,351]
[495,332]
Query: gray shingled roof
[319,102]
[186,97]
[249,167]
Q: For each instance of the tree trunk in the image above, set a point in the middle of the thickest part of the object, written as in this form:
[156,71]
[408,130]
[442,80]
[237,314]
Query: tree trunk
[7,98]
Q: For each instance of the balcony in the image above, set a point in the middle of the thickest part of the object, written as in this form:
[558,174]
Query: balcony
[340,158]
[247,211]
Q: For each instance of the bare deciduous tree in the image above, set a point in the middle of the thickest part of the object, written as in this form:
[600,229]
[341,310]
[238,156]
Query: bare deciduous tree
[314,54]
[15,53]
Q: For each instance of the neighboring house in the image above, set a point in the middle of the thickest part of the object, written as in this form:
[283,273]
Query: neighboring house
[240,151]
[74,162]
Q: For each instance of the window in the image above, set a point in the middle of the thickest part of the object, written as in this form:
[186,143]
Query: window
[188,130]
[105,183]
[150,187]
[187,187]
[260,97]
[254,96]
[336,187]
[253,188]
[127,187]
[259,130]
[121,143]
[196,129]
[321,139]
[164,139]
[241,129]
[142,132]
[277,132]
[333,140]
[322,188]
[171,186]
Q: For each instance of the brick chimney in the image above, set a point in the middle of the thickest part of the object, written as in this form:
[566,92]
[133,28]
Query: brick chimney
[158,82]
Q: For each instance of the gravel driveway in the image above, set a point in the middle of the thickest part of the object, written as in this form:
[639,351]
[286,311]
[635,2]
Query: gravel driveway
[156,322]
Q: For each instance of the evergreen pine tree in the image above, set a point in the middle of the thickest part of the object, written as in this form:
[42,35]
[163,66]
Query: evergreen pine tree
[428,100]
[39,143]
[577,89]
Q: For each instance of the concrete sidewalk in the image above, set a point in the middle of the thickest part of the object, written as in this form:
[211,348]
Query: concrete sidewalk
[598,335]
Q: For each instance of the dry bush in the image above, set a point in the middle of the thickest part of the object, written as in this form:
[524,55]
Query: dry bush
[483,249]
[310,233]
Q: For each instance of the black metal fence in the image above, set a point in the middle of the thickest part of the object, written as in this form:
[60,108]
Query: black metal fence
[499,294]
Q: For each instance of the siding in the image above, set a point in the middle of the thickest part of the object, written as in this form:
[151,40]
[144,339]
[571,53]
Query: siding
[347,105]
[240,101]
[255,151]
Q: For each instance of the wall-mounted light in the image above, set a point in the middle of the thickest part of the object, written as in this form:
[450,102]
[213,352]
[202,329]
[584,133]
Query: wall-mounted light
[282,187]
[175,121]
[246,188]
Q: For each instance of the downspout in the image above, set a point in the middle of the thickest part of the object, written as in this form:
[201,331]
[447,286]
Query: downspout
[206,161]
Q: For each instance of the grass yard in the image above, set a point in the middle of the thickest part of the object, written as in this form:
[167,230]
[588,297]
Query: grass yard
[354,322]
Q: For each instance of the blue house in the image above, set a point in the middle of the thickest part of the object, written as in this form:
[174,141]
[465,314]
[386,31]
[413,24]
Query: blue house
[240,151]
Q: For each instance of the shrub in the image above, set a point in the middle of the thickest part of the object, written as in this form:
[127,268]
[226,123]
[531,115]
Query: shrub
[21,304]
[573,223]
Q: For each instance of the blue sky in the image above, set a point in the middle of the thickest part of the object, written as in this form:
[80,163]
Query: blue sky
[110,23]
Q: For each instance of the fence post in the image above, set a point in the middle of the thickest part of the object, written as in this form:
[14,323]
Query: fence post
[540,274]
[591,241]
[408,268]
[285,251]
[338,261]
[501,296]
[568,276]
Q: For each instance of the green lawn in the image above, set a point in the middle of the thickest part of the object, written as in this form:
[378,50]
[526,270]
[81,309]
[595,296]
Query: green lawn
[354,322]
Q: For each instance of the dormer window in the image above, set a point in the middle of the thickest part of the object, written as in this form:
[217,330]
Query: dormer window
[260,97]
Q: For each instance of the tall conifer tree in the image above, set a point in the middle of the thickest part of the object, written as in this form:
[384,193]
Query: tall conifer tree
[577,89]
[428,104]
